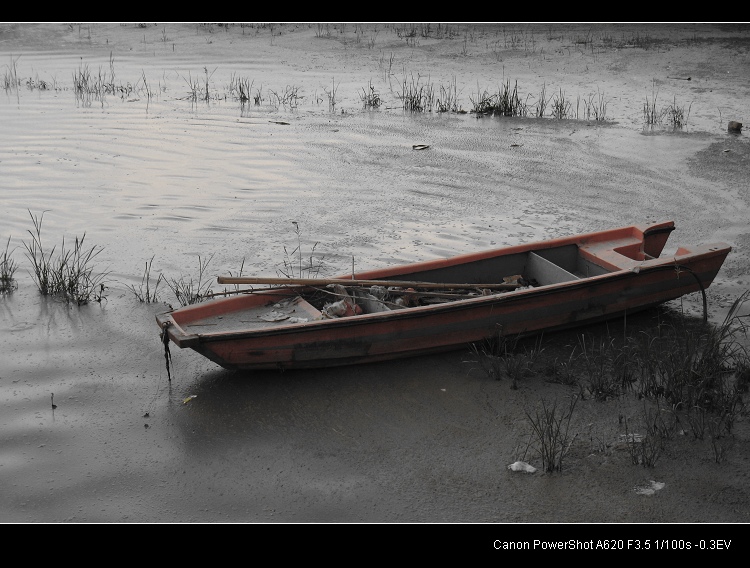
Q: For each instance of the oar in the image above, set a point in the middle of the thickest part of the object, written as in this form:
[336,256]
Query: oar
[355,282]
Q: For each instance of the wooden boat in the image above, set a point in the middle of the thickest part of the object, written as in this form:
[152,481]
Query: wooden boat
[443,304]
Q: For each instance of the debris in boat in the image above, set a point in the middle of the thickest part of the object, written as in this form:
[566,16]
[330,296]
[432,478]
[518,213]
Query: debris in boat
[340,309]
[274,316]
[420,146]
[188,399]
[651,488]
[522,466]
[520,282]
[379,292]
[369,303]
[298,320]
[408,298]
[343,307]
[562,266]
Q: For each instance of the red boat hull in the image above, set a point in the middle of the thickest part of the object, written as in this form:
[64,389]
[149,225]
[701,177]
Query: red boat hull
[630,277]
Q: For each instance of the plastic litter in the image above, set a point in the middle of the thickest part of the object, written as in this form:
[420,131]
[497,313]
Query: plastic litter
[369,302]
[522,466]
[274,316]
[652,488]
[341,308]
[379,292]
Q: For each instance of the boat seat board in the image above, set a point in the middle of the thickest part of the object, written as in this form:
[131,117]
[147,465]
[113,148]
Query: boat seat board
[545,271]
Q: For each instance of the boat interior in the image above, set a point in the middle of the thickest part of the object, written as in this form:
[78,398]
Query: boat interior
[526,268]
[542,267]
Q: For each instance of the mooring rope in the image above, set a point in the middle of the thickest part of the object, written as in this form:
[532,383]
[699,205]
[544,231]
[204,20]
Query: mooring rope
[167,354]
[680,267]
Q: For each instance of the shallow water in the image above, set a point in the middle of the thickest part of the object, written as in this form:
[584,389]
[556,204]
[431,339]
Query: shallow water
[172,178]
[175,179]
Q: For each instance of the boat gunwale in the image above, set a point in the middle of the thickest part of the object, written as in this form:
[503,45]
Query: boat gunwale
[637,233]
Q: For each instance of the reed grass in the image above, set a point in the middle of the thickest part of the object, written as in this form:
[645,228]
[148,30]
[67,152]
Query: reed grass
[509,357]
[11,79]
[386,67]
[239,275]
[149,93]
[651,115]
[490,364]
[447,101]
[297,264]
[35,83]
[8,268]
[331,94]
[595,106]
[70,274]
[596,356]
[561,107]
[690,375]
[565,371]
[699,367]
[323,30]
[542,102]
[506,102]
[144,293]
[89,87]
[188,290]
[640,40]
[241,88]
[370,97]
[643,450]
[288,98]
[676,115]
[584,40]
[199,88]
[673,114]
[416,96]
[551,436]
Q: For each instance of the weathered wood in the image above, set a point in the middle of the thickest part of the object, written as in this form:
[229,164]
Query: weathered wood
[355,282]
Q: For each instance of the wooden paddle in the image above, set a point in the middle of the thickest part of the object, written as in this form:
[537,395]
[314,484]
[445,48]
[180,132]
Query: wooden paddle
[355,282]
